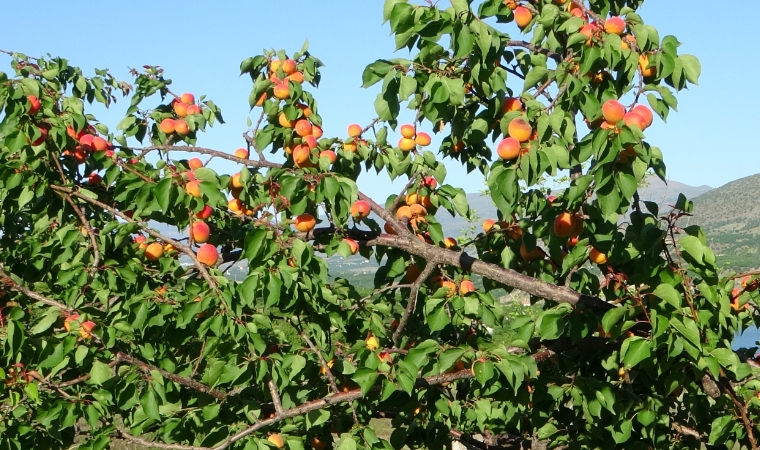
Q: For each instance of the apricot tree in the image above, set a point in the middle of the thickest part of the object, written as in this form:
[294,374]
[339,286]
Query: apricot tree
[112,328]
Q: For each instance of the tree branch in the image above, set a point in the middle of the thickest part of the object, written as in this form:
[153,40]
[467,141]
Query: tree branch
[7,280]
[415,290]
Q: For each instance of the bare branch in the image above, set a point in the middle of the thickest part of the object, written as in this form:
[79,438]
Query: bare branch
[7,280]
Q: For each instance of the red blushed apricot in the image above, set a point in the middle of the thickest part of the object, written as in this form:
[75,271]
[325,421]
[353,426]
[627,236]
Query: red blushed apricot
[634,119]
[310,141]
[354,130]
[302,156]
[450,287]
[508,148]
[389,228]
[296,77]
[488,224]
[613,111]
[180,109]
[450,242]
[200,231]
[305,222]
[316,131]
[614,25]
[520,129]
[511,104]
[205,213]
[241,153]
[407,131]
[303,128]
[34,104]
[181,128]
[99,144]
[187,98]
[288,66]
[194,109]
[466,287]
[208,254]
[194,163]
[564,224]
[330,155]
[418,210]
[360,209]
[523,16]
[167,126]
[282,90]
[646,113]
[352,245]
[588,31]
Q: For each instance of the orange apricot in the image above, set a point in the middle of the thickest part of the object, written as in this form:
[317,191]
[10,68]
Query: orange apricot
[305,222]
[520,129]
[208,254]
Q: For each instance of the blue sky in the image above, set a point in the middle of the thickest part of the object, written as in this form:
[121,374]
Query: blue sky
[200,45]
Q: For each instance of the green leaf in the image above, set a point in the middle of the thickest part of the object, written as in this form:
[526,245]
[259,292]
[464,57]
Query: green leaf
[634,350]
[536,75]
[483,372]
[669,294]
[99,373]
[365,378]
[437,319]
[691,67]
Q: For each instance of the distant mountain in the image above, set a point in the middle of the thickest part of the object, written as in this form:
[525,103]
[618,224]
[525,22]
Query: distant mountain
[730,216]
[655,190]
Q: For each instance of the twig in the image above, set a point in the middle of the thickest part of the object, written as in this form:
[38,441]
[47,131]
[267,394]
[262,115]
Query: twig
[186,382]
[275,397]
[415,290]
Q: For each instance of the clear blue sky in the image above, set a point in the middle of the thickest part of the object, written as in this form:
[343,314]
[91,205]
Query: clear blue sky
[200,45]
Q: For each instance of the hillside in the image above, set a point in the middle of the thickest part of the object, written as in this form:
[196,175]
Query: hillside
[730,216]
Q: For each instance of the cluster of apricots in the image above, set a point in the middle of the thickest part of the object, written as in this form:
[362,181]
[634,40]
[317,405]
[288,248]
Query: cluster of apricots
[410,138]
[414,209]
[183,106]
[614,25]
[614,112]
[72,322]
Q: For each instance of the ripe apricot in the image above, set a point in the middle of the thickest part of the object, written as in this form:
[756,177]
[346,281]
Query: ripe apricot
[406,144]
[508,148]
[646,71]
[282,119]
[519,129]
[181,127]
[614,25]
[34,105]
[241,153]
[418,210]
[288,66]
[634,119]
[193,188]
[187,98]
[200,231]
[180,108]
[303,128]
[360,209]
[612,111]
[404,212]
[318,444]
[354,130]
[523,16]
[449,242]
[208,254]
[277,440]
[422,139]
[302,156]
[450,287]
[536,253]
[305,222]
[407,131]
[564,224]
[316,131]
[511,104]
[167,126]
[597,257]
[194,163]
[466,287]
[154,251]
[282,90]
[329,154]
[646,113]
[412,273]
[99,144]
[235,205]
[372,343]
[488,224]
[352,245]
[296,77]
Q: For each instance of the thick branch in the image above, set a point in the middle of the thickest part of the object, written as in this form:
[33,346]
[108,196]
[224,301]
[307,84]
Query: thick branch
[186,382]
[7,280]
